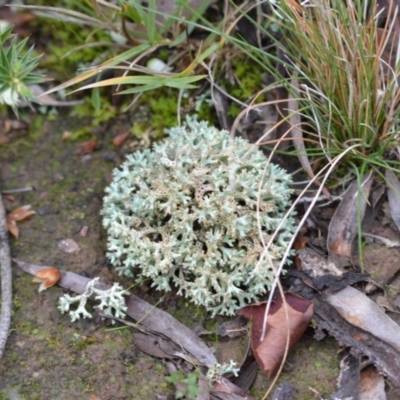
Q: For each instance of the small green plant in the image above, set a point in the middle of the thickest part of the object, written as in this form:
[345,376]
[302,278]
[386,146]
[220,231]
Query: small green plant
[145,35]
[16,70]
[189,382]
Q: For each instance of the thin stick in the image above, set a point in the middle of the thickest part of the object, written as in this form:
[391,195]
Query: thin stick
[18,190]
[6,289]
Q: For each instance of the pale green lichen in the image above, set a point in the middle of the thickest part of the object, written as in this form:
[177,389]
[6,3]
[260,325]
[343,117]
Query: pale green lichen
[186,213]
[111,300]
[217,371]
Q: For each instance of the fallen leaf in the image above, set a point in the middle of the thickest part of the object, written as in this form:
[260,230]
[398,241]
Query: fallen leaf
[344,224]
[87,147]
[21,213]
[48,277]
[362,343]
[393,188]
[15,18]
[372,386]
[120,139]
[18,215]
[13,228]
[270,352]
[83,232]
[299,244]
[359,310]
[9,197]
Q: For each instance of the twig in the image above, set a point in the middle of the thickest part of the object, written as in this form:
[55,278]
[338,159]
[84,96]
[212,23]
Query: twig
[6,289]
[18,190]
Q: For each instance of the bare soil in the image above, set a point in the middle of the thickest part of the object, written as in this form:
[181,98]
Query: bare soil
[49,357]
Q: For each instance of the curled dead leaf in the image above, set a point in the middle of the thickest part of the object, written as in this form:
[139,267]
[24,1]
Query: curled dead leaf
[120,139]
[87,147]
[344,225]
[18,215]
[270,352]
[84,231]
[48,277]
[21,213]
[13,228]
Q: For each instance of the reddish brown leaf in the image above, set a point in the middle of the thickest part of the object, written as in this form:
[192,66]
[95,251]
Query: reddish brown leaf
[270,352]
[9,197]
[120,139]
[13,18]
[83,232]
[299,244]
[21,213]
[87,147]
[48,277]
[17,215]
[12,227]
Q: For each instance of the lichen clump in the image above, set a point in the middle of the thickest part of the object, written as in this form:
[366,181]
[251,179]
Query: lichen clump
[185,213]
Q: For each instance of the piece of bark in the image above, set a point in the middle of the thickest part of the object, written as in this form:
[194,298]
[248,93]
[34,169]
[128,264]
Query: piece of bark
[372,385]
[385,357]
[359,310]
[349,378]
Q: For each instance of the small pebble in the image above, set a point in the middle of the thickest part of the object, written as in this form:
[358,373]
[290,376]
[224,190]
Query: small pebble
[68,246]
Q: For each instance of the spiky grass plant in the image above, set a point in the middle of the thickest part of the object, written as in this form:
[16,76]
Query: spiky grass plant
[344,70]
[16,70]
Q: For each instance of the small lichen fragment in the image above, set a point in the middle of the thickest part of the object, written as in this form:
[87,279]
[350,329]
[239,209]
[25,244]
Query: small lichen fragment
[185,213]
[111,300]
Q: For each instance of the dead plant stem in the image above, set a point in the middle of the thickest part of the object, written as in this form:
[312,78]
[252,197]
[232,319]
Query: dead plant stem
[6,289]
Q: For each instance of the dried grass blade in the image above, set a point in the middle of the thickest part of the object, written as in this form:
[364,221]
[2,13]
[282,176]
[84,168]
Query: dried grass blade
[298,142]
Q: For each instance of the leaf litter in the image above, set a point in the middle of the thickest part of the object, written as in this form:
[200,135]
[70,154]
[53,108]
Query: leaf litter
[329,288]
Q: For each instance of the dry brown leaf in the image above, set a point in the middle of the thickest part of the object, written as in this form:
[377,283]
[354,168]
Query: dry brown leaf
[21,213]
[359,310]
[299,244]
[84,231]
[120,139]
[12,228]
[9,197]
[48,277]
[87,147]
[18,215]
[15,18]
[344,224]
[270,352]
[393,191]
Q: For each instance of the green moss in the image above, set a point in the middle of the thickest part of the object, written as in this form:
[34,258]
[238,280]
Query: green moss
[248,82]
[312,364]
[187,312]
[164,113]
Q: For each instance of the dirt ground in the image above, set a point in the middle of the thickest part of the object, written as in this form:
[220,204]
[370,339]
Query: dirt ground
[49,357]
